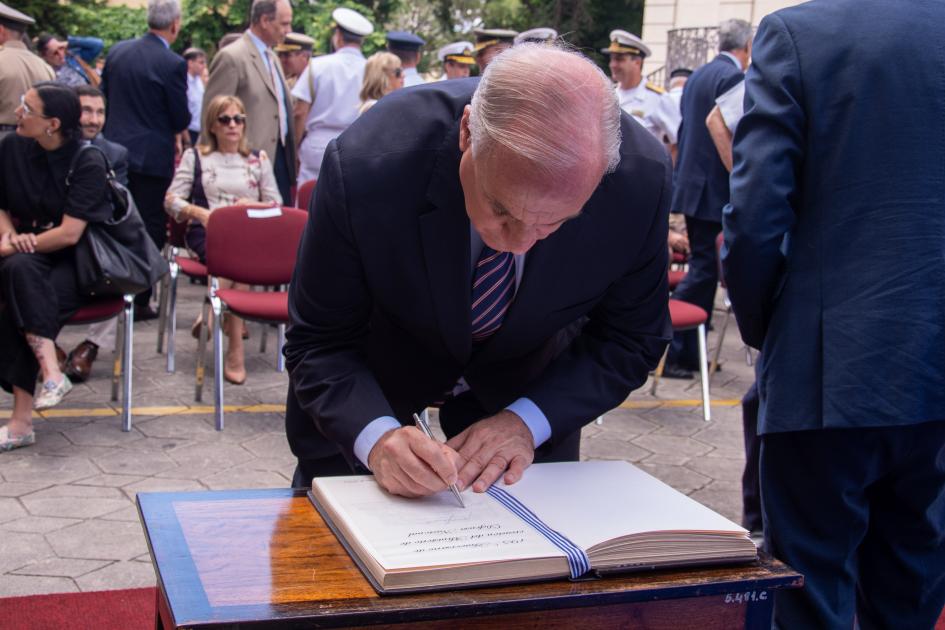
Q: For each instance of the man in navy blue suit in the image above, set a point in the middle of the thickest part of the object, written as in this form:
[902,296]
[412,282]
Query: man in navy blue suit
[835,264]
[145,85]
[700,184]
[511,268]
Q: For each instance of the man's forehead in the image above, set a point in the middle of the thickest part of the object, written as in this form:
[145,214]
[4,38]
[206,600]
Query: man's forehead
[92,102]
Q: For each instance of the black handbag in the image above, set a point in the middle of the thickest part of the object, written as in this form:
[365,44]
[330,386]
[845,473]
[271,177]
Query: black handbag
[116,256]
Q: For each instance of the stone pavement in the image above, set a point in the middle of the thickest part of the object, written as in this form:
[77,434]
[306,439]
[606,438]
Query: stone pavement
[68,520]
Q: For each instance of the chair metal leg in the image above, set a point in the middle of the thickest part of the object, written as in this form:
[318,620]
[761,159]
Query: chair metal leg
[172,317]
[202,351]
[117,356]
[280,343]
[658,372]
[162,311]
[127,362]
[704,373]
[749,359]
[718,346]
[217,361]
[263,329]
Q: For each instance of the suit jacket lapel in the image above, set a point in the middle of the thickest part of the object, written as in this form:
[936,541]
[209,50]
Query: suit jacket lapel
[444,237]
[260,64]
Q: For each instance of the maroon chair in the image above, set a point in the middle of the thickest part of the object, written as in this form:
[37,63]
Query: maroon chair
[686,316]
[675,277]
[254,246]
[101,310]
[305,195]
[167,306]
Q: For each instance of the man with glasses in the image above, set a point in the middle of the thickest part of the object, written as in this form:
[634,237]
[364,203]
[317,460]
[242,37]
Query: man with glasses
[19,68]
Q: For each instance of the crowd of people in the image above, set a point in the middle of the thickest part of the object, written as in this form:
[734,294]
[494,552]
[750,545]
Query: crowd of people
[517,276]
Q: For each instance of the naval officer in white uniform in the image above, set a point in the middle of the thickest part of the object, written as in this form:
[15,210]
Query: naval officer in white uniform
[637,97]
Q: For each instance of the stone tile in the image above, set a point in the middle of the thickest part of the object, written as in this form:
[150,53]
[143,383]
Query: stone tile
[61,567]
[683,426]
[77,490]
[273,445]
[719,468]
[603,448]
[110,481]
[38,524]
[19,489]
[182,426]
[203,459]
[118,575]
[682,479]
[244,477]
[62,469]
[51,442]
[17,585]
[10,510]
[667,459]
[159,484]
[282,465]
[99,540]
[129,461]
[128,515]
[74,507]
[101,434]
[724,498]
[672,445]
[17,550]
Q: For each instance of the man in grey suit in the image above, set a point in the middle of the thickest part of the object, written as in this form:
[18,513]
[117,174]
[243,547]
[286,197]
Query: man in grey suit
[835,266]
[249,69]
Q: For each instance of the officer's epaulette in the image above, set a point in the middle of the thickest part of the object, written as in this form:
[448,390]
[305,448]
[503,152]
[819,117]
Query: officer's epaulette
[655,88]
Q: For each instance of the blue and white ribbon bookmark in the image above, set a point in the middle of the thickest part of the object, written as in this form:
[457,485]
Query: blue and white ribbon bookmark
[578,562]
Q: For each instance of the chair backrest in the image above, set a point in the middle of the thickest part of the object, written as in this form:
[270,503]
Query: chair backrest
[175,232]
[305,195]
[254,245]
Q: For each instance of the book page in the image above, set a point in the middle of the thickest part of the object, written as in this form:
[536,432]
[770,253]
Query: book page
[609,499]
[432,531]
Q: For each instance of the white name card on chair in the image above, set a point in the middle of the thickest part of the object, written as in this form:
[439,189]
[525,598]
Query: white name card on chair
[263,213]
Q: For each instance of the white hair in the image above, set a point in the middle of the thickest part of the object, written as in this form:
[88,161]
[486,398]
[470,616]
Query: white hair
[162,13]
[548,105]
[734,34]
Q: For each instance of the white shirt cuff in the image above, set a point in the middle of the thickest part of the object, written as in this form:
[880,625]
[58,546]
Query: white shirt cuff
[533,418]
[370,435]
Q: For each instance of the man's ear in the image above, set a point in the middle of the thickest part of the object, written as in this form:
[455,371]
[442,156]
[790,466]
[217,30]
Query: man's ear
[465,137]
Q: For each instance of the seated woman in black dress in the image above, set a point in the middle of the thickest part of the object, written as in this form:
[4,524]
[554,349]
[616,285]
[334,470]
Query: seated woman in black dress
[40,222]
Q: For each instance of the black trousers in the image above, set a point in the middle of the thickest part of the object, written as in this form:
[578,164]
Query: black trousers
[38,293]
[148,192]
[283,172]
[861,514]
[698,287]
[751,491]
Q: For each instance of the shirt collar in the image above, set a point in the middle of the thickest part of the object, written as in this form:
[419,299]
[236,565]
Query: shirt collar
[162,40]
[738,64]
[349,50]
[411,72]
[260,44]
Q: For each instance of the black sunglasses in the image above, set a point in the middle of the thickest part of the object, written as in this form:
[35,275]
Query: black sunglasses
[239,119]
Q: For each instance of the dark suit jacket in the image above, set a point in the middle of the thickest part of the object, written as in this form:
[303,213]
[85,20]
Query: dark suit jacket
[117,157]
[852,316]
[700,184]
[145,86]
[380,301]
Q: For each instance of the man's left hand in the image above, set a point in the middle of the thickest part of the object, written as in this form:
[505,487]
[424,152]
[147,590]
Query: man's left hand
[493,446]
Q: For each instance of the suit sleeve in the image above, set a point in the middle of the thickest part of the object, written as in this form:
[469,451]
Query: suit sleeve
[120,165]
[623,340]
[329,310]
[224,78]
[175,92]
[768,152]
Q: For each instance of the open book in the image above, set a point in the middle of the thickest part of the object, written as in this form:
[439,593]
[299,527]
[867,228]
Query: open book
[567,519]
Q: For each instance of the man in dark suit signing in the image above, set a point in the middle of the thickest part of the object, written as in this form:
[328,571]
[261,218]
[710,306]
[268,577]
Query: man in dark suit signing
[145,85]
[700,185]
[835,264]
[478,245]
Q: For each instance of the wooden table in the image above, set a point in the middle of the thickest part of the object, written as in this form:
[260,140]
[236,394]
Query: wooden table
[258,558]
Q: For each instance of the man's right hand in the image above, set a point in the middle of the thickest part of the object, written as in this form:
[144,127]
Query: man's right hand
[406,462]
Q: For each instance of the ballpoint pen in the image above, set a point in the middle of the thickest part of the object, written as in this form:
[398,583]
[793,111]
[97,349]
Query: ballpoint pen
[423,426]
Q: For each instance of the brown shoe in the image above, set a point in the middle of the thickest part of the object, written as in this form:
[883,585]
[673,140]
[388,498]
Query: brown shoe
[79,364]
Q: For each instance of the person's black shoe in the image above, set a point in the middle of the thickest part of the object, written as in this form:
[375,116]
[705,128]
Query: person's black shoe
[671,370]
[144,313]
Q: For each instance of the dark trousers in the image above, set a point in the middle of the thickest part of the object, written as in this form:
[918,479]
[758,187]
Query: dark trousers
[861,514]
[38,293]
[284,174]
[148,192]
[751,493]
[698,287]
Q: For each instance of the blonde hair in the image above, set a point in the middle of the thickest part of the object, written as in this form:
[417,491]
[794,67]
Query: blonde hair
[215,108]
[377,75]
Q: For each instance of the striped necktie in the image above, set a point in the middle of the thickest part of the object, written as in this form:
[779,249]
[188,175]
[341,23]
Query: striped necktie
[492,292]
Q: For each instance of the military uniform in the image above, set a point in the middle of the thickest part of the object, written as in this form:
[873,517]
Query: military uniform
[642,102]
[19,70]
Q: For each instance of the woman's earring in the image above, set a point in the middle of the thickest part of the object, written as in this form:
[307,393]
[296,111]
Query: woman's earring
[48,131]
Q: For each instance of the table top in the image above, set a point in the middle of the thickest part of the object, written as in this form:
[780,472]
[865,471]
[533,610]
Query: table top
[248,555]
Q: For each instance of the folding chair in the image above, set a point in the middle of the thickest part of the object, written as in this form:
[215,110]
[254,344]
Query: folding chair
[104,309]
[686,316]
[167,305]
[254,246]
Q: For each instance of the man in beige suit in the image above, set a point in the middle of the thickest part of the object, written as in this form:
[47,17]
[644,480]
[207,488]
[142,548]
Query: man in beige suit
[249,69]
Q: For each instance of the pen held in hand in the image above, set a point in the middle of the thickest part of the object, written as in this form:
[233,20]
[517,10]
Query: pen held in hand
[423,426]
